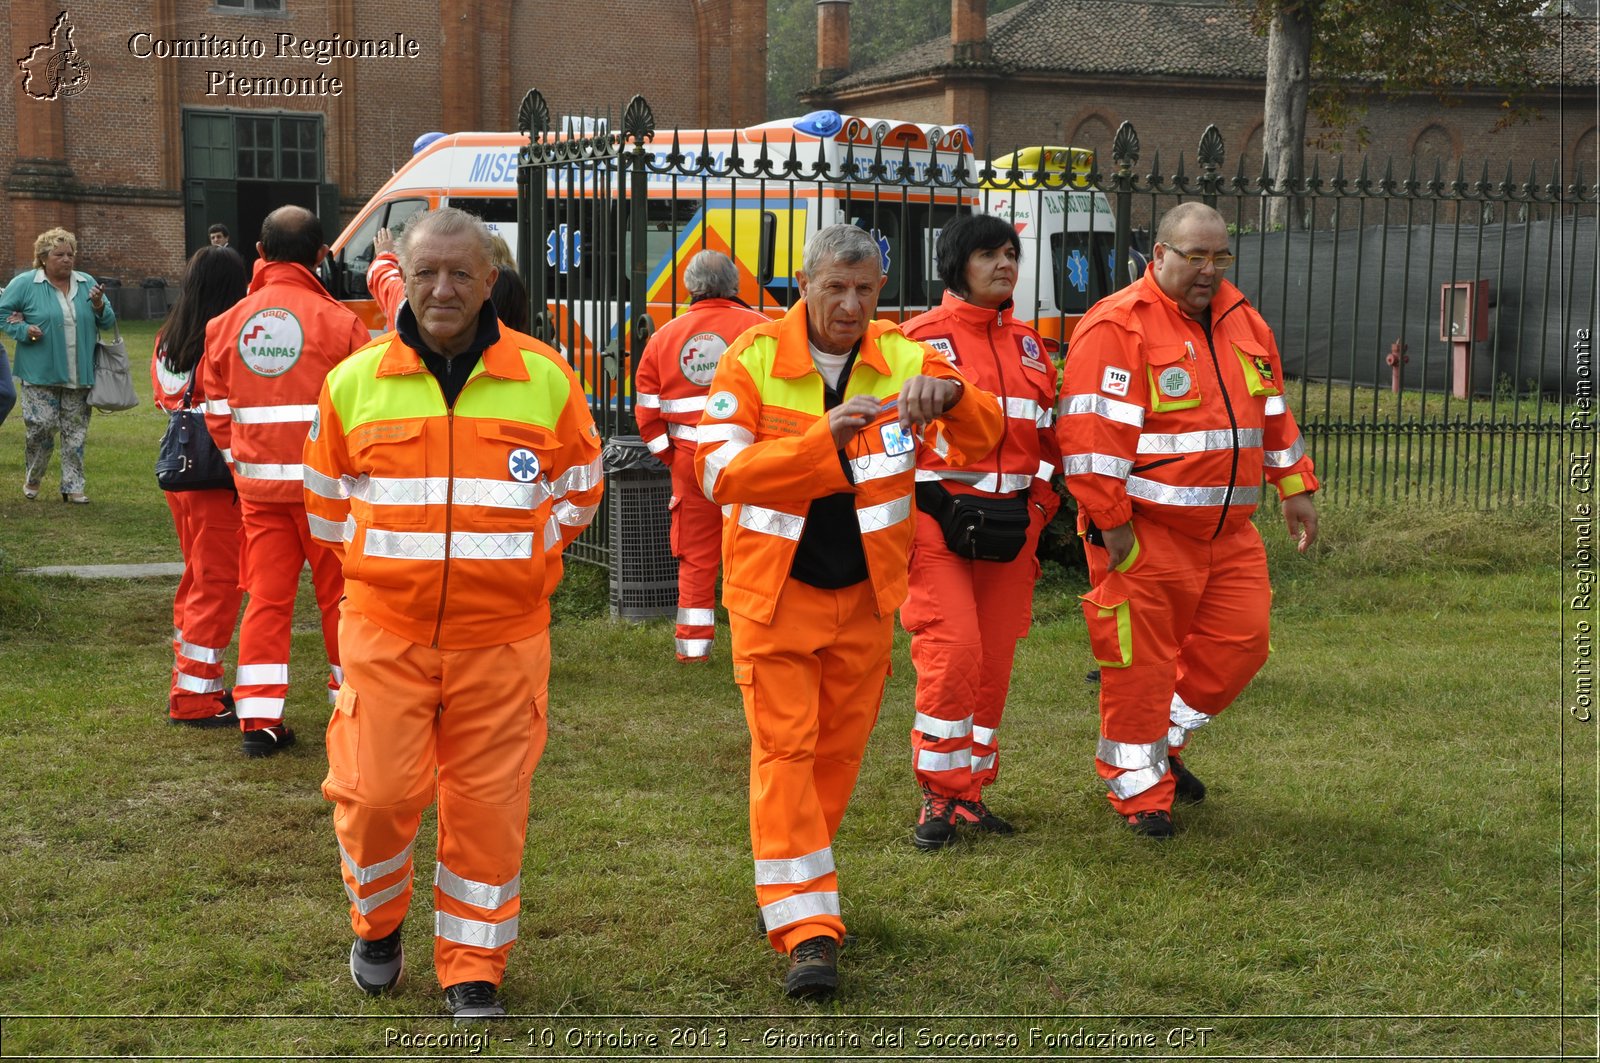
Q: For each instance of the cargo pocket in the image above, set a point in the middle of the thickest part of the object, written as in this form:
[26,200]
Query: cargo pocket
[675,532]
[344,741]
[1109,620]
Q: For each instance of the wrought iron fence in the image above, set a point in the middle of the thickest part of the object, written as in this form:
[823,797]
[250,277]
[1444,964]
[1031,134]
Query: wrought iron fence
[1361,289]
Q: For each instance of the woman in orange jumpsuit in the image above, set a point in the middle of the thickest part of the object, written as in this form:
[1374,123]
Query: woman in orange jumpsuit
[206,607]
[970,603]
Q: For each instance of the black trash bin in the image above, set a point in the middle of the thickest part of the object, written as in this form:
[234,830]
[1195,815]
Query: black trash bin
[644,574]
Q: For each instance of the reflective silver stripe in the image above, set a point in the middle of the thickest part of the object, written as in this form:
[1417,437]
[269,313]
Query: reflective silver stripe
[692,404]
[780,914]
[273,414]
[499,494]
[692,647]
[472,932]
[1184,720]
[983,736]
[478,894]
[725,433]
[430,546]
[1134,783]
[402,491]
[552,535]
[255,470]
[1099,405]
[696,617]
[886,515]
[185,681]
[338,673]
[258,708]
[683,431]
[718,459]
[1047,417]
[577,478]
[928,760]
[993,482]
[329,530]
[574,516]
[1098,464]
[934,727]
[227,455]
[217,407]
[877,466]
[1023,409]
[1150,491]
[795,870]
[373,872]
[647,400]
[1046,470]
[771,521]
[202,654]
[326,486]
[656,444]
[983,763]
[1196,442]
[365,905]
[1132,755]
[1276,407]
[1279,459]
[333,696]
[259,674]
[940,445]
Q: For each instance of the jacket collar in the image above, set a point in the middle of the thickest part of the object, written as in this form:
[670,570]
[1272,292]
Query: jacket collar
[794,345]
[501,354]
[290,273]
[973,314]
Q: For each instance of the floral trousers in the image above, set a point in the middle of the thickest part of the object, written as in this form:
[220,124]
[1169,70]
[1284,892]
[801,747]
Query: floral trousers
[46,411]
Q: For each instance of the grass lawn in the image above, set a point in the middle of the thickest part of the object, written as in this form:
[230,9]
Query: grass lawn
[1397,857]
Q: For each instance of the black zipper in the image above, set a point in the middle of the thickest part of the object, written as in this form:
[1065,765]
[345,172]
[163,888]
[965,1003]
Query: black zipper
[1233,422]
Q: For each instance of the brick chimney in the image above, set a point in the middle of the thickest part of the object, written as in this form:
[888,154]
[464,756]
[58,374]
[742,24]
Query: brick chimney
[833,40]
[969,31]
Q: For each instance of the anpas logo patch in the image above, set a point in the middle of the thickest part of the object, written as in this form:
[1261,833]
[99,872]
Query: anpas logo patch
[271,341]
[699,357]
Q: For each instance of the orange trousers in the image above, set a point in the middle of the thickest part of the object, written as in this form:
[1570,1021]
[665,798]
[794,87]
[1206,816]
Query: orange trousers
[277,544]
[1177,634]
[697,544]
[471,722]
[965,618]
[812,681]
[206,607]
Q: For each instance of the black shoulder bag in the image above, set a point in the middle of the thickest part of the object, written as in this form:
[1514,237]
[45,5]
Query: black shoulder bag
[188,460]
[976,526]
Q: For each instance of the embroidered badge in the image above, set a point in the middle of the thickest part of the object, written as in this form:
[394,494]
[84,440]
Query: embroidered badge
[316,424]
[1115,381]
[523,465]
[1174,382]
[271,341]
[943,345]
[1264,367]
[699,356]
[896,440]
[722,405]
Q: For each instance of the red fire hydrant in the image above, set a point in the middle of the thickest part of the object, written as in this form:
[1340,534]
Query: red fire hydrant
[1397,359]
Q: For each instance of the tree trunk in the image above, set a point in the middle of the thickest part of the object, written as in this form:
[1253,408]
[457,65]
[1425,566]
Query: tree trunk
[1288,85]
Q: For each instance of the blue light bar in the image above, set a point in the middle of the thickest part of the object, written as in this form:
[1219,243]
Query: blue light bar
[820,123]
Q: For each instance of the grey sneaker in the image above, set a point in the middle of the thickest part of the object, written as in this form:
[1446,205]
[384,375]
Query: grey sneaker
[378,965]
[473,1000]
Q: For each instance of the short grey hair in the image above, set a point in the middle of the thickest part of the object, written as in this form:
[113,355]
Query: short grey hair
[843,243]
[711,275]
[446,221]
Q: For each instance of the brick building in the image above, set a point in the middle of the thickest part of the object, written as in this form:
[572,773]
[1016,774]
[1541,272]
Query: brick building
[1071,71]
[136,125]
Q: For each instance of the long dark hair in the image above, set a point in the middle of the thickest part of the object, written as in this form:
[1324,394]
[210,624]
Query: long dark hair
[213,281]
[509,297]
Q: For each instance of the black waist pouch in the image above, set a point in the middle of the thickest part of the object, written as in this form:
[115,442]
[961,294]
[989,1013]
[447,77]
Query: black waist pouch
[975,526]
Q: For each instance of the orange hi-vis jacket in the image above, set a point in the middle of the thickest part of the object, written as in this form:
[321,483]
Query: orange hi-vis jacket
[265,361]
[765,453]
[451,521]
[1004,356]
[1156,420]
[677,367]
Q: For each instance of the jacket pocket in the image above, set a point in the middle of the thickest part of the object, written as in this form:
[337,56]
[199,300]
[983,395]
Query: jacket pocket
[344,741]
[1173,382]
[1262,374]
[513,463]
[1109,619]
[395,490]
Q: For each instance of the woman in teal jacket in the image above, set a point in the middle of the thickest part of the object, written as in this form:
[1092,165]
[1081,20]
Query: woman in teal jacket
[53,312]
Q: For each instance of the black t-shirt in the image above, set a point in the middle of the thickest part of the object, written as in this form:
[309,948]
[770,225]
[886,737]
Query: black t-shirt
[830,554]
[451,373]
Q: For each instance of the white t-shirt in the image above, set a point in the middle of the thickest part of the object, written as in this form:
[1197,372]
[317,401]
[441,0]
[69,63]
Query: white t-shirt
[829,365]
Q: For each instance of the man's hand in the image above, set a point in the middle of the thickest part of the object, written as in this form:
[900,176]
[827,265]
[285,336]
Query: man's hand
[382,242]
[1119,543]
[922,398]
[1300,514]
[850,417]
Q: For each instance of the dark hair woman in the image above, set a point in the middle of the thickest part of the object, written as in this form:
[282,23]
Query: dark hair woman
[207,522]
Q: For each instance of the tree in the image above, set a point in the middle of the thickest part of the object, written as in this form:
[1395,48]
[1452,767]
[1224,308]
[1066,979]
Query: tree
[1361,48]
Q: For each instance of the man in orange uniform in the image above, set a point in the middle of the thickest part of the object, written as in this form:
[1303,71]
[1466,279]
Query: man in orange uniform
[810,439]
[451,463]
[670,386]
[264,364]
[1171,410]
[969,605]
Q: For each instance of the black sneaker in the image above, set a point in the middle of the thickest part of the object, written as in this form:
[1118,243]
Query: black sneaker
[223,717]
[378,965]
[266,741]
[936,823]
[1189,788]
[1153,824]
[976,814]
[473,1000]
[813,968]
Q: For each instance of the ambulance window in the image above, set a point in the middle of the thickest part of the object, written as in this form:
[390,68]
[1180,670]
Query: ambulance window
[354,258]
[496,210]
[1080,268]
[402,212]
[882,220]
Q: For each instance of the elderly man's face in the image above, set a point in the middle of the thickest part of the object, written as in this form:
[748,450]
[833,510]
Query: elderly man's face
[448,278]
[840,301]
[1191,287]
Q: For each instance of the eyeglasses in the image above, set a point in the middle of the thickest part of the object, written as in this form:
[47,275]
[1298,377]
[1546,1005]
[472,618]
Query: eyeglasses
[1220,261]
